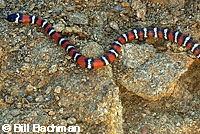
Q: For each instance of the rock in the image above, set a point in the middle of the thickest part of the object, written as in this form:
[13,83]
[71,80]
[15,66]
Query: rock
[114,25]
[71,120]
[75,30]
[125,4]
[118,7]
[40,98]
[30,88]
[3,106]
[30,98]
[153,75]
[9,99]
[59,27]
[48,90]
[92,49]
[170,3]
[136,55]
[15,112]
[53,69]
[141,13]
[32,6]
[95,99]
[19,105]
[58,11]
[63,122]
[2,4]
[57,89]
[78,18]
[51,113]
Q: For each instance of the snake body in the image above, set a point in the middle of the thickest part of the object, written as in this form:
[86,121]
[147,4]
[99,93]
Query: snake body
[113,52]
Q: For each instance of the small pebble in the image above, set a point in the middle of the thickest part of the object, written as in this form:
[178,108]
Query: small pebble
[39,98]
[48,90]
[30,88]
[57,89]
[1,100]
[32,7]
[53,69]
[58,11]
[141,13]
[114,25]
[51,113]
[63,122]
[71,120]
[125,4]
[178,124]
[57,98]
[15,112]
[59,27]
[19,105]
[61,110]
[118,7]
[29,32]
[9,99]
[29,98]
[145,130]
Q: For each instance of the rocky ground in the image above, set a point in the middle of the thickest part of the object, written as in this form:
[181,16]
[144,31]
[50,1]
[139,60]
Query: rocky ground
[152,88]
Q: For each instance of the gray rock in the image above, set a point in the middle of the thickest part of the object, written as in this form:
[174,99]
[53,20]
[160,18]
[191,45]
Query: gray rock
[114,25]
[152,75]
[78,18]
[15,112]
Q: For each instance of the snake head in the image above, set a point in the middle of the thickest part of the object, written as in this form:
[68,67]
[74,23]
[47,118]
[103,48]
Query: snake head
[13,17]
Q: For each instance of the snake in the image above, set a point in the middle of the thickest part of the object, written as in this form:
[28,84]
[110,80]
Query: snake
[113,52]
